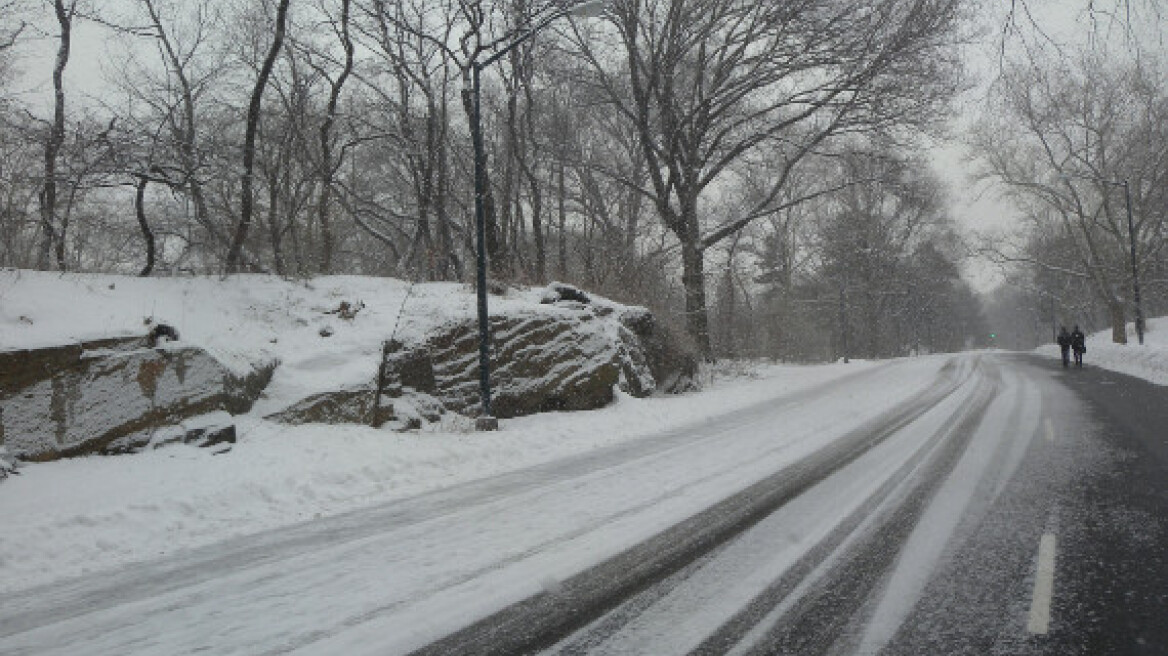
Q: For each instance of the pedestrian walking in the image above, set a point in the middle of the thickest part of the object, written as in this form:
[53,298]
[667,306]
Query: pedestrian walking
[1064,342]
[1078,345]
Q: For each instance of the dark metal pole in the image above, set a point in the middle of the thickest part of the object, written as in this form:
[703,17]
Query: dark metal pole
[843,321]
[1131,232]
[486,419]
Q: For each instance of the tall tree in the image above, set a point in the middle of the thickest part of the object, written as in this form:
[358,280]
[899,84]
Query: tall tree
[51,232]
[1064,138]
[176,100]
[711,83]
[247,199]
[328,167]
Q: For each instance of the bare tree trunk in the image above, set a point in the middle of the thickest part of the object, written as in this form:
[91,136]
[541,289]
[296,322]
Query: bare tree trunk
[53,143]
[529,171]
[249,140]
[1115,311]
[452,264]
[186,133]
[274,219]
[508,191]
[537,232]
[147,233]
[693,279]
[562,199]
[326,158]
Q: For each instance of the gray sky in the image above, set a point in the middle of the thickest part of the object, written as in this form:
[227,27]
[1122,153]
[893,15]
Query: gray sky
[1066,23]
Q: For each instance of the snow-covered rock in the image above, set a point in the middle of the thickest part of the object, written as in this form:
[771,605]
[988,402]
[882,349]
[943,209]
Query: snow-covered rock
[349,405]
[7,464]
[542,359]
[674,368]
[552,348]
[109,395]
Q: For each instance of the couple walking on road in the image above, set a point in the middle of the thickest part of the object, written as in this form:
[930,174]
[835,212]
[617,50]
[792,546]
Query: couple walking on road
[1073,341]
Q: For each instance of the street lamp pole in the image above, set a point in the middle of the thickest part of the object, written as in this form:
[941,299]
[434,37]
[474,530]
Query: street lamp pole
[1131,233]
[485,421]
[588,9]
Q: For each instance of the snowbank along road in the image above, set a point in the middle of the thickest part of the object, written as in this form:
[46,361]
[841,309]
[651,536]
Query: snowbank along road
[931,505]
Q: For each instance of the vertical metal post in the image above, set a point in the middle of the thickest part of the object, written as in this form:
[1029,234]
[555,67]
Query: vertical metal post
[1131,232]
[480,238]
[843,321]
[487,420]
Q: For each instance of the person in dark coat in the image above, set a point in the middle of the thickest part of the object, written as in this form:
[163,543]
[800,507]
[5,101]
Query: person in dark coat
[1078,345]
[1064,342]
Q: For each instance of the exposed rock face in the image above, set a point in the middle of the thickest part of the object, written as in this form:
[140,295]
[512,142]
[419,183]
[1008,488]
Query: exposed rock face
[563,358]
[538,363]
[403,367]
[346,406]
[81,398]
[7,467]
[405,409]
[674,368]
[204,431]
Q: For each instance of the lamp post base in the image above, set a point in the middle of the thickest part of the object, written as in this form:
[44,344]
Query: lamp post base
[486,423]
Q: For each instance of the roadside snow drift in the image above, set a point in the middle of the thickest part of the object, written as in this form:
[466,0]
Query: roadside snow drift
[1149,361]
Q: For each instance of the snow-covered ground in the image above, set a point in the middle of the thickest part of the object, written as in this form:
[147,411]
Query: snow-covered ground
[243,320]
[1149,361]
[63,519]
[74,516]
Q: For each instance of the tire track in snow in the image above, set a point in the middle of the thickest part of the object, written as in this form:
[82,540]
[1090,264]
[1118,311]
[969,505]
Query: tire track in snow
[64,600]
[545,619]
[822,608]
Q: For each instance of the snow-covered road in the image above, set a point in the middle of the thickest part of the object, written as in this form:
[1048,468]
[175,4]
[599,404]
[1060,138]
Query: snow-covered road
[396,577]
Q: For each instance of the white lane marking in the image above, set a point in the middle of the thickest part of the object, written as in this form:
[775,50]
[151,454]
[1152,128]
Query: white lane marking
[1049,430]
[1039,622]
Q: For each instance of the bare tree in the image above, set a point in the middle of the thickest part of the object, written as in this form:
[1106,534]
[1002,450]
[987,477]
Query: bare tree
[413,89]
[709,83]
[182,91]
[1065,138]
[51,233]
[11,26]
[247,199]
[867,242]
[328,167]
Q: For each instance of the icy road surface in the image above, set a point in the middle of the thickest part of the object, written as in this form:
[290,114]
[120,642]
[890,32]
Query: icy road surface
[818,521]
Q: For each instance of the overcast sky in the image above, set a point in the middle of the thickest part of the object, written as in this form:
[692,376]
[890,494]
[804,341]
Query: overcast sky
[1067,23]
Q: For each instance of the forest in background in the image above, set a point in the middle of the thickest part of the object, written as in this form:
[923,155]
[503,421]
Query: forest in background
[1075,135]
[751,171]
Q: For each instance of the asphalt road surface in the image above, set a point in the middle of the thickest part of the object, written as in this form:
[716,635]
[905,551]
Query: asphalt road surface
[995,505]
[1034,527]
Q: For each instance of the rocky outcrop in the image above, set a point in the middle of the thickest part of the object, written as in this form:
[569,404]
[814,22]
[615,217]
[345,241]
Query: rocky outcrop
[345,406]
[7,464]
[569,356]
[674,368]
[215,430]
[401,409]
[539,362]
[81,398]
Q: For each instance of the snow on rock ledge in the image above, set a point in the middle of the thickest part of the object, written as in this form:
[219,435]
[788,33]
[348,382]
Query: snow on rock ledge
[542,359]
[80,398]
[555,349]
